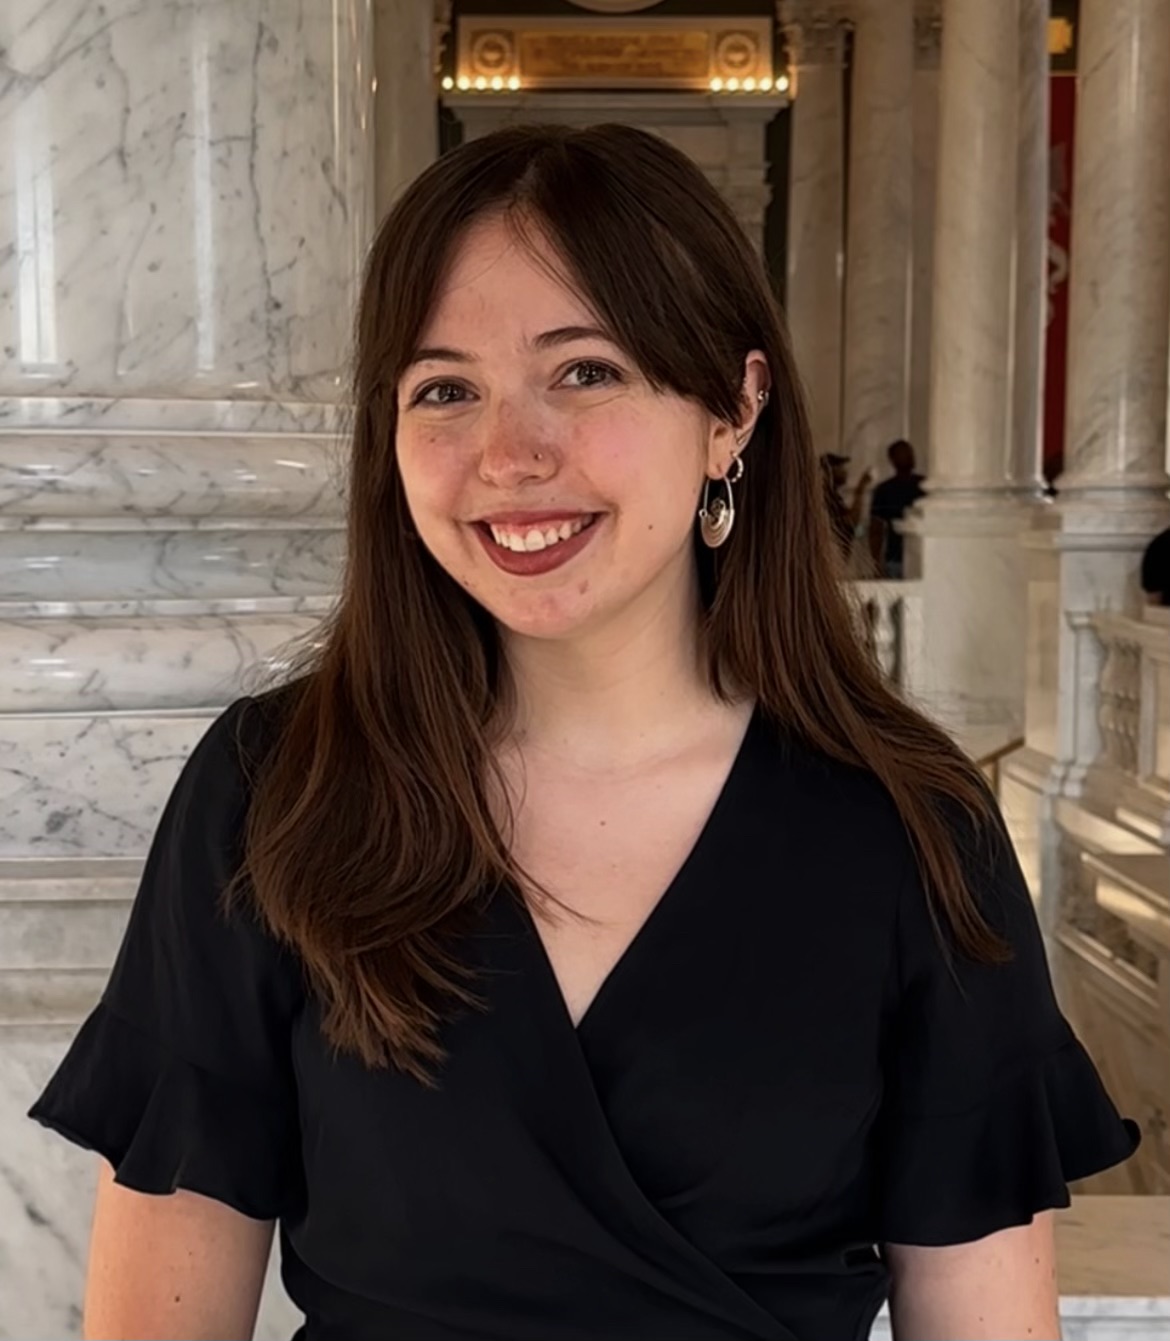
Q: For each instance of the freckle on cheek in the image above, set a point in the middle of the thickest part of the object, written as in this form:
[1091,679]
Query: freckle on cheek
[583,588]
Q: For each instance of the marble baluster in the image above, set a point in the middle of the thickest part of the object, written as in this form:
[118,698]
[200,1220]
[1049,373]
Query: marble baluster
[878,256]
[185,201]
[816,211]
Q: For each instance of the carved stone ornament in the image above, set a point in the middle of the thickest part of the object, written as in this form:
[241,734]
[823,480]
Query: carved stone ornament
[928,38]
[440,32]
[814,30]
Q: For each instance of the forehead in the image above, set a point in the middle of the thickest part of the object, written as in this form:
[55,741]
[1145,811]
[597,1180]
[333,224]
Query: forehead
[495,282]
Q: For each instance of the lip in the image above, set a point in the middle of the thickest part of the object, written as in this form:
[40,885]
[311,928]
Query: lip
[535,562]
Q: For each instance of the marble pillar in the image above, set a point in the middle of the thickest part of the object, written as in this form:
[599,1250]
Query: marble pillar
[408,37]
[1113,493]
[816,211]
[876,394]
[967,532]
[1119,319]
[927,42]
[185,200]
[1030,251]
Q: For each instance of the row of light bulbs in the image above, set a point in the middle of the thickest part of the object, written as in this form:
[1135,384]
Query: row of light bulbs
[482,83]
[497,83]
[749,85]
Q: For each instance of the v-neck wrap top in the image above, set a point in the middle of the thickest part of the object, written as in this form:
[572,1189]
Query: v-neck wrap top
[780,1076]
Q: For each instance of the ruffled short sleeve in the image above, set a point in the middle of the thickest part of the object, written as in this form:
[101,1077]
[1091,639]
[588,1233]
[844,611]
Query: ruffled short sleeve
[182,1075]
[992,1105]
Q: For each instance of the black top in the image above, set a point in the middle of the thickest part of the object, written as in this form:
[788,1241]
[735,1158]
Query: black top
[890,500]
[778,1075]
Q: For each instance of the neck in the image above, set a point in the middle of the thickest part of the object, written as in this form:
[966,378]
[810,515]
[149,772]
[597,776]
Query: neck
[619,696]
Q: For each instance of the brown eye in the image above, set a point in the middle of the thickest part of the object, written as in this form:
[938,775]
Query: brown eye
[424,397]
[594,373]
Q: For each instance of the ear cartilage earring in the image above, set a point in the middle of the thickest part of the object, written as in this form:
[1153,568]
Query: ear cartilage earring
[717,518]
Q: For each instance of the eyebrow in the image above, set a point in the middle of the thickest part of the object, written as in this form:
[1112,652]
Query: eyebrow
[563,335]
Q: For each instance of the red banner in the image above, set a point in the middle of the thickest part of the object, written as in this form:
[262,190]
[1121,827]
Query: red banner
[1063,105]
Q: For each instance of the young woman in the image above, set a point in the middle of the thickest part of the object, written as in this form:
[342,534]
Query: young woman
[586,943]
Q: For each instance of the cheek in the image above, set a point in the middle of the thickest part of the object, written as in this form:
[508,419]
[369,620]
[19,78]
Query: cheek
[432,470]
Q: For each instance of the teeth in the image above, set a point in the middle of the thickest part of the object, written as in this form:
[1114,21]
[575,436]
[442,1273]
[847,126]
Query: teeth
[536,539]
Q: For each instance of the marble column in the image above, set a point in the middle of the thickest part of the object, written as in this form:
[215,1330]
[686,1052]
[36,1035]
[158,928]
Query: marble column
[408,37]
[1119,319]
[1113,493]
[967,532]
[876,398]
[927,42]
[185,200]
[1030,254]
[816,211]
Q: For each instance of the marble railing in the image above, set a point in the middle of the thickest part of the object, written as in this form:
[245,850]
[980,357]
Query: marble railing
[1132,713]
[891,620]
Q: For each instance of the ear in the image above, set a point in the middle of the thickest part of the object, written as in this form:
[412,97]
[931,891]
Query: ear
[727,441]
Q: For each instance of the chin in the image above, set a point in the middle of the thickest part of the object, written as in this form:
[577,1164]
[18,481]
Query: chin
[549,617]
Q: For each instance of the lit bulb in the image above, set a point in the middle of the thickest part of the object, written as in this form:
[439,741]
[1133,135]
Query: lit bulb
[750,84]
[480,82]
[448,82]
[464,82]
[497,82]
[716,85]
[733,84]
[514,82]
[782,83]
[765,84]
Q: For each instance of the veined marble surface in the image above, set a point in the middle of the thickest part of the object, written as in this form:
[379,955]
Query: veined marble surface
[134,664]
[49,479]
[89,785]
[188,184]
[116,414]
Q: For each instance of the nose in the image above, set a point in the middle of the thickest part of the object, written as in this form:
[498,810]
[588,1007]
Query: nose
[513,450]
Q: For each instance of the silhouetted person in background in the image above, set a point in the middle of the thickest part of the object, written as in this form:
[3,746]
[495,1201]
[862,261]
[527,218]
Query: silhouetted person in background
[1156,569]
[891,499]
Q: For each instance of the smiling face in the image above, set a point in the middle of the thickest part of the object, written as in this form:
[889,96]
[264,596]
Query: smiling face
[541,469]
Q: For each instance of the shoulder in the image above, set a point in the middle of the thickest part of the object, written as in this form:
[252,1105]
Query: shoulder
[836,821]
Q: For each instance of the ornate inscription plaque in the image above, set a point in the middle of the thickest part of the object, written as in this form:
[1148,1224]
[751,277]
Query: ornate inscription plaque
[597,53]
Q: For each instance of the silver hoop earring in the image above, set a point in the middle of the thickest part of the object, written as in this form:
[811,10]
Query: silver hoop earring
[717,518]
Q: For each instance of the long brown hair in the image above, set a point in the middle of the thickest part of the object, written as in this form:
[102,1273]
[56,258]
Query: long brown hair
[370,837]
